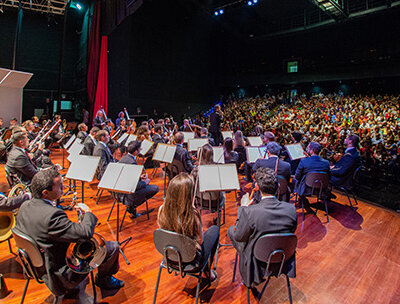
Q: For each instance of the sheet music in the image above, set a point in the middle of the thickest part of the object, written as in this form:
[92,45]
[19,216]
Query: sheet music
[187,136]
[145,146]
[70,141]
[245,201]
[131,138]
[295,151]
[74,151]
[228,177]
[227,134]
[122,138]
[129,178]
[164,153]
[255,141]
[209,178]
[253,153]
[195,143]
[83,168]
[218,155]
[263,152]
[110,176]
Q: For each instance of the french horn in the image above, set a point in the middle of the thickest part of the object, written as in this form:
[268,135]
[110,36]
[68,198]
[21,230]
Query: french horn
[7,219]
[85,255]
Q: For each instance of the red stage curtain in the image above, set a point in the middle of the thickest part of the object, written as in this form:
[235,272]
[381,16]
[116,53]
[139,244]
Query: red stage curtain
[101,91]
[93,54]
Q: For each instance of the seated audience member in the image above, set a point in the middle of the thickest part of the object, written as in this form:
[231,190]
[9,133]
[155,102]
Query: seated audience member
[144,190]
[177,214]
[90,142]
[82,134]
[343,170]
[230,156]
[273,162]
[18,160]
[12,203]
[239,147]
[181,153]
[101,149]
[53,232]
[313,163]
[204,134]
[268,216]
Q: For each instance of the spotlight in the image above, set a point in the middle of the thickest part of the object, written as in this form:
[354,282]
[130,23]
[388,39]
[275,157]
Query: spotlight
[249,3]
[255,1]
[78,6]
[221,11]
[216,13]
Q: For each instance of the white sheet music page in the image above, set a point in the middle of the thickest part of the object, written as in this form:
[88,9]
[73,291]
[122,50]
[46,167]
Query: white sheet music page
[187,136]
[227,134]
[295,151]
[129,178]
[263,152]
[195,143]
[254,141]
[218,155]
[169,154]
[131,138]
[145,146]
[253,153]
[70,141]
[122,137]
[228,177]
[110,176]
[74,151]
[209,178]
[160,151]
[74,147]
[83,168]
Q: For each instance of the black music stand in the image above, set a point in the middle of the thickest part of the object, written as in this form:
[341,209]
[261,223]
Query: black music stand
[120,179]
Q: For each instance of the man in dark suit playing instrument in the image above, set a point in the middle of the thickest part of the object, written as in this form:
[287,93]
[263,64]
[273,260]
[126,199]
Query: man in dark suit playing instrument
[268,216]
[343,170]
[102,150]
[313,163]
[144,190]
[158,135]
[90,142]
[182,154]
[82,134]
[53,232]
[273,162]
[18,161]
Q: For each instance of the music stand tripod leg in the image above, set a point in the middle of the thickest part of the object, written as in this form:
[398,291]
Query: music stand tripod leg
[126,241]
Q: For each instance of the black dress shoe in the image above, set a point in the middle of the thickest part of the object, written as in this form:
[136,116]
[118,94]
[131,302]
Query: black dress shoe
[108,282]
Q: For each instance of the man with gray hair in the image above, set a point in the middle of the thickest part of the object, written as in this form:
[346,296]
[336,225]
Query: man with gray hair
[204,134]
[273,162]
[314,163]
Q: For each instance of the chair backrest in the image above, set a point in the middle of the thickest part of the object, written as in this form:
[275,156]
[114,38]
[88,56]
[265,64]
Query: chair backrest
[317,181]
[12,178]
[356,174]
[209,199]
[283,185]
[29,253]
[175,168]
[275,248]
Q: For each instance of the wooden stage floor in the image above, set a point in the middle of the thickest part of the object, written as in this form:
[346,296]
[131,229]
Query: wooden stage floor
[353,259]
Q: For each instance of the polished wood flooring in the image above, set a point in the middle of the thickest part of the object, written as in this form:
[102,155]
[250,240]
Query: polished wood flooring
[355,258]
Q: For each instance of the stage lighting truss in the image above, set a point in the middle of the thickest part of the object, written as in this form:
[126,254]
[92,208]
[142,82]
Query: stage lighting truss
[56,7]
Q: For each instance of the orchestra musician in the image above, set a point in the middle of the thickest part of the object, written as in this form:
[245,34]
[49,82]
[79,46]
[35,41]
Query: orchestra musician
[53,232]
[12,203]
[101,149]
[119,118]
[159,135]
[90,142]
[182,154]
[186,126]
[82,133]
[35,121]
[144,190]
[204,134]
[99,120]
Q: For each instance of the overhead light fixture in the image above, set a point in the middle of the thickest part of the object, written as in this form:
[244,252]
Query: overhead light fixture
[216,13]
[221,11]
[250,3]
[78,6]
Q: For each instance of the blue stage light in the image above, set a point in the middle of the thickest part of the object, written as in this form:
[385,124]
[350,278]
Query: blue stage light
[249,3]
[221,11]
[255,1]
[216,13]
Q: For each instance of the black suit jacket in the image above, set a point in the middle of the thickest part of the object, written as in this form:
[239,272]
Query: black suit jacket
[98,121]
[50,227]
[88,146]
[183,156]
[21,165]
[215,122]
[342,173]
[105,158]
[81,136]
[268,216]
[157,139]
[309,164]
[283,167]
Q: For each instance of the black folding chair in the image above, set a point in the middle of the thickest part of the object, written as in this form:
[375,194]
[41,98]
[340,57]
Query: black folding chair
[274,250]
[12,178]
[32,261]
[283,189]
[179,256]
[213,202]
[318,183]
[350,187]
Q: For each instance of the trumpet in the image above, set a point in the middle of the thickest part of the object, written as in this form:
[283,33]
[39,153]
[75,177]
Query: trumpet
[85,255]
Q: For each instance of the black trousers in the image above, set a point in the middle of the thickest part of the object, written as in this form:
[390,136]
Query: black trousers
[210,244]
